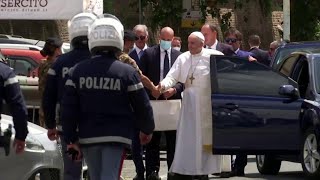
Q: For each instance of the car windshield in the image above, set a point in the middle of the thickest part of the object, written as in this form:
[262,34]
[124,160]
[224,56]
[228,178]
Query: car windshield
[282,53]
[317,73]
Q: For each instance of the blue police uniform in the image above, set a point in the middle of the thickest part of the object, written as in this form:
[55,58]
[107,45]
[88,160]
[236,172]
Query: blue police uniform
[54,88]
[11,93]
[56,79]
[105,100]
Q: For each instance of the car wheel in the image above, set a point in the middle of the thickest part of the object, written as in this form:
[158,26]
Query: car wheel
[310,156]
[268,164]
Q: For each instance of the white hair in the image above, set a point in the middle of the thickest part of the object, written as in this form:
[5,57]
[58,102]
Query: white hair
[141,27]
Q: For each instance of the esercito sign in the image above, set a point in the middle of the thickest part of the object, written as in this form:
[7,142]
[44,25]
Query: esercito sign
[47,9]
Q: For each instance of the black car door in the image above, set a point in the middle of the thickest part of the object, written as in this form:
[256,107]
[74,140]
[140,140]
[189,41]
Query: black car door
[249,114]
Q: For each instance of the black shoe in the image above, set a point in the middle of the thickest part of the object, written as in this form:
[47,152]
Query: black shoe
[138,177]
[154,176]
[225,174]
[202,177]
[236,172]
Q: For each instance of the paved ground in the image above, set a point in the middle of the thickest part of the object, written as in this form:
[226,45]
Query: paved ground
[289,171]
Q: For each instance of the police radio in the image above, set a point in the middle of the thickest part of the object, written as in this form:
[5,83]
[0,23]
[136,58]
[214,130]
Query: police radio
[5,139]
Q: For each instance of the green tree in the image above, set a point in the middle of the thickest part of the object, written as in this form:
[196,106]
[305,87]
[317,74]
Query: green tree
[305,18]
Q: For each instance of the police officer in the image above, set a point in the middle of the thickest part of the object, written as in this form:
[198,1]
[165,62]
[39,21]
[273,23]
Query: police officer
[105,100]
[57,75]
[51,50]
[11,93]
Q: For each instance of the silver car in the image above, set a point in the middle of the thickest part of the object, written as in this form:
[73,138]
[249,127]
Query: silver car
[42,158]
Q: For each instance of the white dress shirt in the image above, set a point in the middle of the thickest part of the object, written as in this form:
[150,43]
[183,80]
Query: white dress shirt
[214,46]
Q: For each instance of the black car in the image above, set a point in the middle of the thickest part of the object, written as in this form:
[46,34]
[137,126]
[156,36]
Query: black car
[286,49]
[270,113]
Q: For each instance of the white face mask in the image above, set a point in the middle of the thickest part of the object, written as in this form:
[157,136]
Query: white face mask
[177,48]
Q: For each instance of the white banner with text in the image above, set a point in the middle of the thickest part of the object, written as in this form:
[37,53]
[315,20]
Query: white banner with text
[47,9]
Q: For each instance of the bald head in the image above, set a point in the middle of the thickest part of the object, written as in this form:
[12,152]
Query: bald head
[166,34]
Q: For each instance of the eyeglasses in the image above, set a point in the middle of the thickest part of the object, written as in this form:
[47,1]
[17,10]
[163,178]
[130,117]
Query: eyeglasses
[233,40]
[272,49]
[142,38]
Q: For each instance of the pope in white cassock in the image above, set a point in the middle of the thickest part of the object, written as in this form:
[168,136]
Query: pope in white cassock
[193,155]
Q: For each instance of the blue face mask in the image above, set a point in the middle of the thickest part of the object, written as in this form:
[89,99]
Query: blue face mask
[165,44]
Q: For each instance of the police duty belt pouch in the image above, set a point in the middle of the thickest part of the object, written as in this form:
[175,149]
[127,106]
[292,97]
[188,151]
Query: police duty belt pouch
[166,114]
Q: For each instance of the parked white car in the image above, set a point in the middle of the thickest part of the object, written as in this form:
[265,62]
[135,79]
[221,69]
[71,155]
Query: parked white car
[42,158]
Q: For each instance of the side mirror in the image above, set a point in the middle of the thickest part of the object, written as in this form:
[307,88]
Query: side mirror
[289,91]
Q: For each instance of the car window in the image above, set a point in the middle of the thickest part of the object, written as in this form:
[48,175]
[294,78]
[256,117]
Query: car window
[288,65]
[282,53]
[238,76]
[21,66]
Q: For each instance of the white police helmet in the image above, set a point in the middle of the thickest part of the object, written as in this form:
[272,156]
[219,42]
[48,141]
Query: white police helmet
[79,24]
[107,33]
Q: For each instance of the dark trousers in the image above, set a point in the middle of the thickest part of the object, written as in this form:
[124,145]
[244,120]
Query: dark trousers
[153,151]
[240,162]
[137,153]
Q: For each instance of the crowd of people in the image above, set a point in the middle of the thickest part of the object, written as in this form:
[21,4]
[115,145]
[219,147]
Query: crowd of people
[96,98]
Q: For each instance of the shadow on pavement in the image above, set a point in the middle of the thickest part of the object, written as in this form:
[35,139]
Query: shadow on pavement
[281,176]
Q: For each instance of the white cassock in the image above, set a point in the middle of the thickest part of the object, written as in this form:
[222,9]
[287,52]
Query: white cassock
[195,124]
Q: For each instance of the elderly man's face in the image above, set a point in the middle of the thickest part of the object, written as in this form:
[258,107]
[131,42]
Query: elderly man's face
[142,38]
[194,44]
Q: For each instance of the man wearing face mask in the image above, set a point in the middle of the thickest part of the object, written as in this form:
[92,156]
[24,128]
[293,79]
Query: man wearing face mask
[176,43]
[155,64]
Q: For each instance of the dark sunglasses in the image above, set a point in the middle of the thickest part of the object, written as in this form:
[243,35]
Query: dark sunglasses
[233,40]
[142,38]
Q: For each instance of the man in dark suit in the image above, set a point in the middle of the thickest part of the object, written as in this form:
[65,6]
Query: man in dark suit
[234,38]
[141,33]
[261,55]
[155,64]
[210,33]
[140,44]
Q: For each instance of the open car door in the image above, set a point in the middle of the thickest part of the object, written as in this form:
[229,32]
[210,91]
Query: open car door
[250,114]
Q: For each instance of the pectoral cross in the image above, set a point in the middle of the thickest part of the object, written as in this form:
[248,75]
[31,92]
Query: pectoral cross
[191,78]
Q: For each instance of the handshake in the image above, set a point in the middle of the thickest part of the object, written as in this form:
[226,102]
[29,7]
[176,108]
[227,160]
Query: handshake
[158,90]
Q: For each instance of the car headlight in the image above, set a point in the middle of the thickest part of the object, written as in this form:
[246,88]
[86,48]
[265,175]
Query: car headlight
[33,145]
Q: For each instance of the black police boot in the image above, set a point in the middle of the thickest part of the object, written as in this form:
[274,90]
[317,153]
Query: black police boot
[139,177]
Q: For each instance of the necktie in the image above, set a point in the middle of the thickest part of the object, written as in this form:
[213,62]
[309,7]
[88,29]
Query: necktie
[166,67]
[140,54]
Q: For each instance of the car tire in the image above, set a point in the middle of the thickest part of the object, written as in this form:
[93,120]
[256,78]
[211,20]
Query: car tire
[310,155]
[46,174]
[268,164]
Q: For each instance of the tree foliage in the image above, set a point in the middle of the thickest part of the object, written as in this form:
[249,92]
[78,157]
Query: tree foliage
[305,19]
[164,12]
[212,7]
